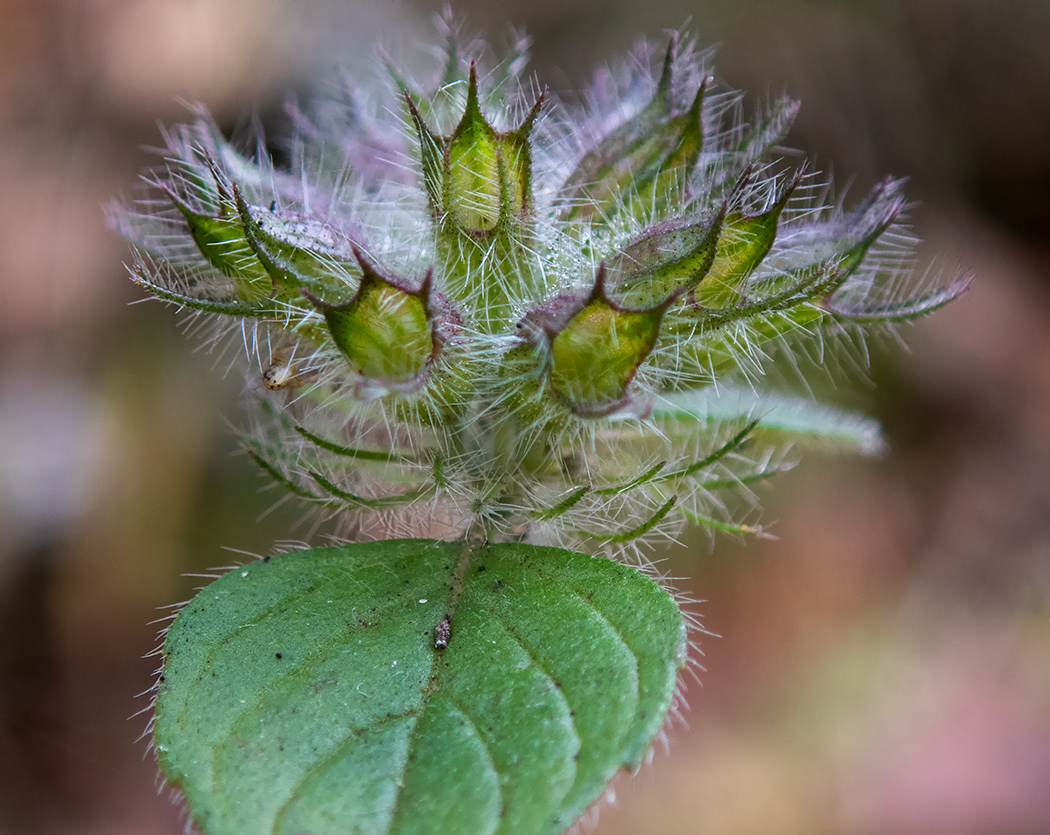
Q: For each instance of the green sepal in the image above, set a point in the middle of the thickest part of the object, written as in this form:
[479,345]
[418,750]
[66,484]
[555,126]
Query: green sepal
[743,242]
[663,183]
[668,259]
[473,171]
[477,179]
[297,252]
[432,160]
[596,353]
[587,186]
[642,163]
[220,238]
[516,163]
[385,331]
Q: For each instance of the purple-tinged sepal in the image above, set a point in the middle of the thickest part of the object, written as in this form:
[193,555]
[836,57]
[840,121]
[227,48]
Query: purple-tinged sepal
[669,259]
[596,351]
[744,240]
[644,163]
[478,180]
[297,251]
[386,331]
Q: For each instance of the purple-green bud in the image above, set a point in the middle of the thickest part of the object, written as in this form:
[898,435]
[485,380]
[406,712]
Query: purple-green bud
[668,259]
[641,159]
[478,178]
[386,331]
[595,354]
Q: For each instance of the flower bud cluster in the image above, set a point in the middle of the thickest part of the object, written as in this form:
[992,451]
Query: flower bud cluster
[496,311]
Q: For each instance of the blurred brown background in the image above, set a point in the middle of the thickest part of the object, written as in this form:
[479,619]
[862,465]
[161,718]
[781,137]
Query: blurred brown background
[884,666]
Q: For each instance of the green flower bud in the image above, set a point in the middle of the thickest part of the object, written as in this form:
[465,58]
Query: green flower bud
[642,159]
[219,236]
[478,178]
[385,331]
[595,355]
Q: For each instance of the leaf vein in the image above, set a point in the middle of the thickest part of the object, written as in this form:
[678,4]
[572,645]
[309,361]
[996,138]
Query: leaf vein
[555,688]
[332,756]
[312,659]
[474,727]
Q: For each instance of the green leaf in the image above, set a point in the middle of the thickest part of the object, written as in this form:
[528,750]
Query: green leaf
[304,692]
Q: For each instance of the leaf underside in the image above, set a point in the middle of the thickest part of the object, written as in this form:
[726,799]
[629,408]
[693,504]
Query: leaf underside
[304,693]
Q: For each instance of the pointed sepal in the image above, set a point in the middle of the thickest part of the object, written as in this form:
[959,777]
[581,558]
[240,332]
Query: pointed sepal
[473,168]
[478,179]
[296,250]
[744,241]
[386,331]
[595,355]
[432,159]
[643,159]
[668,259]
[220,238]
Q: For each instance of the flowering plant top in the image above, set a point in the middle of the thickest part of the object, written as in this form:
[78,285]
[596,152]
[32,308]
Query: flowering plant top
[476,308]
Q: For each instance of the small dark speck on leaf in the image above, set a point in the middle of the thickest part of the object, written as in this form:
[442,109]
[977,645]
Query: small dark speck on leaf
[481,568]
[278,656]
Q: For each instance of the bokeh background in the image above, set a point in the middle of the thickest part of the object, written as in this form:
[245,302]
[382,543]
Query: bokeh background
[883,668]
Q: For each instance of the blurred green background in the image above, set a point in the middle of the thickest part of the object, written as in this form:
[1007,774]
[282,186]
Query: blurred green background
[883,668]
